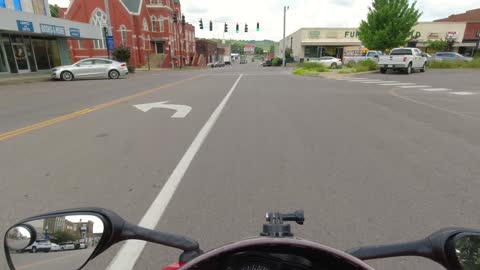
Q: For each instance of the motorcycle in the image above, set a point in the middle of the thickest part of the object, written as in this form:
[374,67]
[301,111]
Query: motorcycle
[276,247]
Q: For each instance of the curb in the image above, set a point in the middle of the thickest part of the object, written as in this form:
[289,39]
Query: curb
[21,81]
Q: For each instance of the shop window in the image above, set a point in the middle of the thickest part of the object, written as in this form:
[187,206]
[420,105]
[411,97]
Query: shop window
[3,60]
[41,55]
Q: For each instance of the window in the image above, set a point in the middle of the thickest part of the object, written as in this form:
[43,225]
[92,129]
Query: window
[86,63]
[145,24]
[401,52]
[102,62]
[162,24]
[99,18]
[159,47]
[123,33]
[154,23]
[80,44]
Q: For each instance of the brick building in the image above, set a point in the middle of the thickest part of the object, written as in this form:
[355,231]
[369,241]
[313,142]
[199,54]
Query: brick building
[471,38]
[207,52]
[147,27]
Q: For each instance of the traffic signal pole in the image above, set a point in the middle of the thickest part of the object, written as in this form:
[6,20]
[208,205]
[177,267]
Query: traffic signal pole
[284,28]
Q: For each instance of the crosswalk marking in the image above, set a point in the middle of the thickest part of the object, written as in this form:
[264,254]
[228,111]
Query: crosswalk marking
[396,84]
[435,89]
[414,86]
[462,93]
[380,82]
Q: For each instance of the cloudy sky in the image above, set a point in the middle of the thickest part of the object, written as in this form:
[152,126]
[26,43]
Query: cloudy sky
[302,13]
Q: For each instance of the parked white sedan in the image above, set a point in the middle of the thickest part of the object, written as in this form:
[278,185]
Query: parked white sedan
[328,61]
[90,68]
[54,247]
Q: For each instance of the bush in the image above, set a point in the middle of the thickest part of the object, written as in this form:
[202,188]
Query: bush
[368,64]
[474,64]
[121,54]
[310,68]
[277,61]
[455,64]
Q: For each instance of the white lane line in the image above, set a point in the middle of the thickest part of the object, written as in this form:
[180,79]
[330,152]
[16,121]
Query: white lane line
[435,89]
[415,86]
[371,81]
[396,84]
[462,93]
[353,79]
[131,250]
[381,82]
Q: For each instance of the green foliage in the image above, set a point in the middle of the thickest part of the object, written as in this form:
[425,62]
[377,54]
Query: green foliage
[310,68]
[258,50]
[277,61]
[389,24]
[361,66]
[64,236]
[468,252]
[54,10]
[121,54]
[455,64]
[272,49]
[437,45]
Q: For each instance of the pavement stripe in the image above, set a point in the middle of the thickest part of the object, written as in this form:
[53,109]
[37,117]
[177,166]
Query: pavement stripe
[414,86]
[396,84]
[435,89]
[462,93]
[381,82]
[131,250]
[371,81]
[27,129]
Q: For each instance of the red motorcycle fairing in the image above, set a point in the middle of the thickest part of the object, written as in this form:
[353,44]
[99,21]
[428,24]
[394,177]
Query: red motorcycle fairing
[320,255]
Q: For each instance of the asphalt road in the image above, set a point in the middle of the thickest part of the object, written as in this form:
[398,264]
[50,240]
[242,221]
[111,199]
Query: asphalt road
[369,163]
[53,260]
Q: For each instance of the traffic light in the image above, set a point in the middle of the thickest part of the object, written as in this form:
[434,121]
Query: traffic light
[175,18]
[258,26]
[246,28]
[237,29]
[226,28]
[201,24]
[211,26]
[183,19]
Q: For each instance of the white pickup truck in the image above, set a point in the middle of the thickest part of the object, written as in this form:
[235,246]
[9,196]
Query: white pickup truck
[405,59]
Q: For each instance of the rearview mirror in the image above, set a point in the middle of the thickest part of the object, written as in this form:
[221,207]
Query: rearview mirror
[46,242]
[467,250]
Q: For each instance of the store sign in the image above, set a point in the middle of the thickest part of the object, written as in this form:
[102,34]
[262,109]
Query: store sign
[314,34]
[416,35]
[52,29]
[451,34]
[110,43]
[433,36]
[25,26]
[351,34]
[74,32]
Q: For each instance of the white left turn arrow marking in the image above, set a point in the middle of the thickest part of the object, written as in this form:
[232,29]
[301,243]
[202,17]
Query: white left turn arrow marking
[181,110]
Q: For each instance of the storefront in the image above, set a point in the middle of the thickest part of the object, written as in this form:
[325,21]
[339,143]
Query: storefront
[433,31]
[29,42]
[311,43]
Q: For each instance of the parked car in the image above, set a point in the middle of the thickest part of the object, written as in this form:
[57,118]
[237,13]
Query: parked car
[267,63]
[90,68]
[452,56]
[328,61]
[243,61]
[54,247]
[406,59]
[219,64]
[39,246]
[67,246]
[370,55]
[80,245]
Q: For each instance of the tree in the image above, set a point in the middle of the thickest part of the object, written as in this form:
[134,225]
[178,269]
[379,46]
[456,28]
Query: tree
[272,49]
[121,54]
[437,45]
[64,236]
[258,50]
[54,10]
[389,24]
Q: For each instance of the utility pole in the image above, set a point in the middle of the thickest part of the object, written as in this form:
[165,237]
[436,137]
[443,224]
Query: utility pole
[109,25]
[285,8]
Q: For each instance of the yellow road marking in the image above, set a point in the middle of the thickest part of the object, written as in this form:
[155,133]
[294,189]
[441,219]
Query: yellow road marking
[27,129]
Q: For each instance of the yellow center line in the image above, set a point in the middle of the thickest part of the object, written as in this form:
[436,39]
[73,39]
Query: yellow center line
[27,129]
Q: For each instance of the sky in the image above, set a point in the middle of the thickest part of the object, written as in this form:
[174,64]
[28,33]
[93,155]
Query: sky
[301,13]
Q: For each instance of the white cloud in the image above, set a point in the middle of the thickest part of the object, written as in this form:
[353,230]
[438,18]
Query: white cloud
[302,13]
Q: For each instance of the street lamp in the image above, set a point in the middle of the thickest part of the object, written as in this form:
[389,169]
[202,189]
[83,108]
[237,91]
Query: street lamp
[285,8]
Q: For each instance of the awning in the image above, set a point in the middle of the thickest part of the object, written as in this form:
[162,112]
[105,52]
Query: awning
[332,42]
[156,39]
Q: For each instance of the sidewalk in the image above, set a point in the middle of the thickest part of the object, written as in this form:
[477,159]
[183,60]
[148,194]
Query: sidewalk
[25,78]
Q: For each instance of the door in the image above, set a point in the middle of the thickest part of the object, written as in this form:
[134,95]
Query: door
[20,54]
[100,67]
[83,69]
[417,58]
[3,59]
